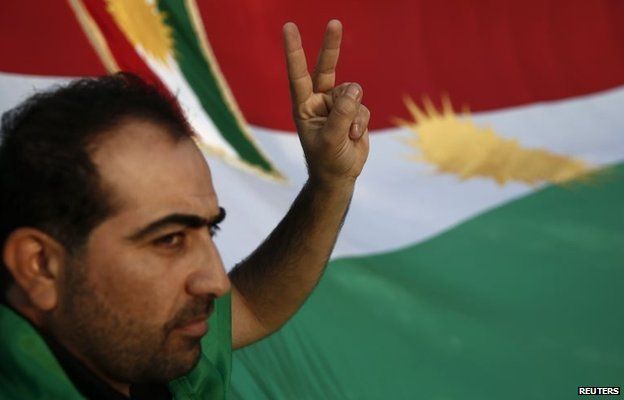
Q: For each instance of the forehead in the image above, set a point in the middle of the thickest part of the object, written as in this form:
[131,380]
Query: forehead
[150,173]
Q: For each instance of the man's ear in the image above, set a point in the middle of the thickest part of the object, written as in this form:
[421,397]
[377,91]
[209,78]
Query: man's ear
[35,260]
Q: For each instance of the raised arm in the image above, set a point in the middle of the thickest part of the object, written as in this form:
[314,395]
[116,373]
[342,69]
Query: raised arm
[274,281]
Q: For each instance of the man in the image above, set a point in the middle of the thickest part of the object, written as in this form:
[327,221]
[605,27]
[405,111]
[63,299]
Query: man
[112,285]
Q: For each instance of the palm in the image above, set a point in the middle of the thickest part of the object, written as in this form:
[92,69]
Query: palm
[332,128]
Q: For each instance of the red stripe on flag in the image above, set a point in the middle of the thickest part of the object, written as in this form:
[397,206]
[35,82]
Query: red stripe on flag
[44,38]
[486,54]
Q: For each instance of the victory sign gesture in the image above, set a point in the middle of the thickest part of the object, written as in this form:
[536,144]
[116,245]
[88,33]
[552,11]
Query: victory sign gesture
[331,121]
[273,282]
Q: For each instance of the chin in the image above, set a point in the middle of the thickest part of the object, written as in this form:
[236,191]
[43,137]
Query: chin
[184,362]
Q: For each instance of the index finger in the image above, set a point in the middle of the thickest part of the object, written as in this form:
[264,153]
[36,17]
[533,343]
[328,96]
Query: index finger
[298,76]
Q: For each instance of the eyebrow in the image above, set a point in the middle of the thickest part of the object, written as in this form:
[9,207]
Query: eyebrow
[186,220]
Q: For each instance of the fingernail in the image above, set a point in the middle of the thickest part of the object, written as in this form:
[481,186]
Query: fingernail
[353,91]
[355,131]
[343,89]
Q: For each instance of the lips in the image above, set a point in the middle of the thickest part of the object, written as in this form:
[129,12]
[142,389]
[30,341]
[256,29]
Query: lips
[198,325]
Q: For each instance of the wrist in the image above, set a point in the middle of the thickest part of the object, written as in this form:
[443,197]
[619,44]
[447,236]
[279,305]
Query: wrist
[335,187]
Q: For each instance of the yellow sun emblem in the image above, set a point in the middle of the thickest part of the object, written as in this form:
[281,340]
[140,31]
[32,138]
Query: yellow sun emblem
[144,26]
[456,145]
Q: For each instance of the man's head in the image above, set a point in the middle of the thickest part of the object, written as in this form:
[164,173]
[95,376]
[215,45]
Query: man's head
[106,213]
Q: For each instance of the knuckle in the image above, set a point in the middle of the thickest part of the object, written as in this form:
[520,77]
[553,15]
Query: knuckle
[343,86]
[302,111]
[345,106]
[296,111]
[363,114]
[327,72]
[365,111]
[338,91]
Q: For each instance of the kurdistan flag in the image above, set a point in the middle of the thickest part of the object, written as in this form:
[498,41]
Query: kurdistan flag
[483,256]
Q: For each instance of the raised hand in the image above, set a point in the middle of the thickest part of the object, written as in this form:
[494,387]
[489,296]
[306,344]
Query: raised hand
[273,282]
[331,121]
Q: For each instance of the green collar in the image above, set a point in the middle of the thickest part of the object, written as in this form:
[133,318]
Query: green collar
[29,369]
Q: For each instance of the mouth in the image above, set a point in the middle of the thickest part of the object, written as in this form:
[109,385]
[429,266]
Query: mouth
[198,325]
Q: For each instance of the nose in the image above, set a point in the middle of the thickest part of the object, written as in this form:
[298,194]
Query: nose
[209,276]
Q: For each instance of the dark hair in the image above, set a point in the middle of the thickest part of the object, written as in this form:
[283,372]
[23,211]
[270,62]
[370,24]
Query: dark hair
[47,178]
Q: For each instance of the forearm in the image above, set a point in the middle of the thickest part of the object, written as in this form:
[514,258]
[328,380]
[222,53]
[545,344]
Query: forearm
[275,280]
[332,123]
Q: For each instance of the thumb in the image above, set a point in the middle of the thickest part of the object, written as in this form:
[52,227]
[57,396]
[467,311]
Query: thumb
[344,110]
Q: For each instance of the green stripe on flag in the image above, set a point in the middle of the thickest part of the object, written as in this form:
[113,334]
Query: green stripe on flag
[522,302]
[201,77]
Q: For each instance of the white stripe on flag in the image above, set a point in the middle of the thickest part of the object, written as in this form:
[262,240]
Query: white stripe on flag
[397,202]
[171,75]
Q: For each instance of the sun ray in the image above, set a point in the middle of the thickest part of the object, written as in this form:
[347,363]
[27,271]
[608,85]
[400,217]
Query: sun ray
[144,26]
[447,107]
[456,145]
[416,112]
[430,109]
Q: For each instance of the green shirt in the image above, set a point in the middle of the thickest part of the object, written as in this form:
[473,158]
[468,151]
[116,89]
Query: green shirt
[28,369]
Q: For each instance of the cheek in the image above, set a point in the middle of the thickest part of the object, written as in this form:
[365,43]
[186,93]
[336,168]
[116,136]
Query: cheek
[138,286]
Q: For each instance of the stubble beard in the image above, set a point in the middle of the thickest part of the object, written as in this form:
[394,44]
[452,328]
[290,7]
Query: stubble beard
[118,346]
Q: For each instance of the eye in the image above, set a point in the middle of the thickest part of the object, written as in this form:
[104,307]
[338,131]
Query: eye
[213,229]
[172,240]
